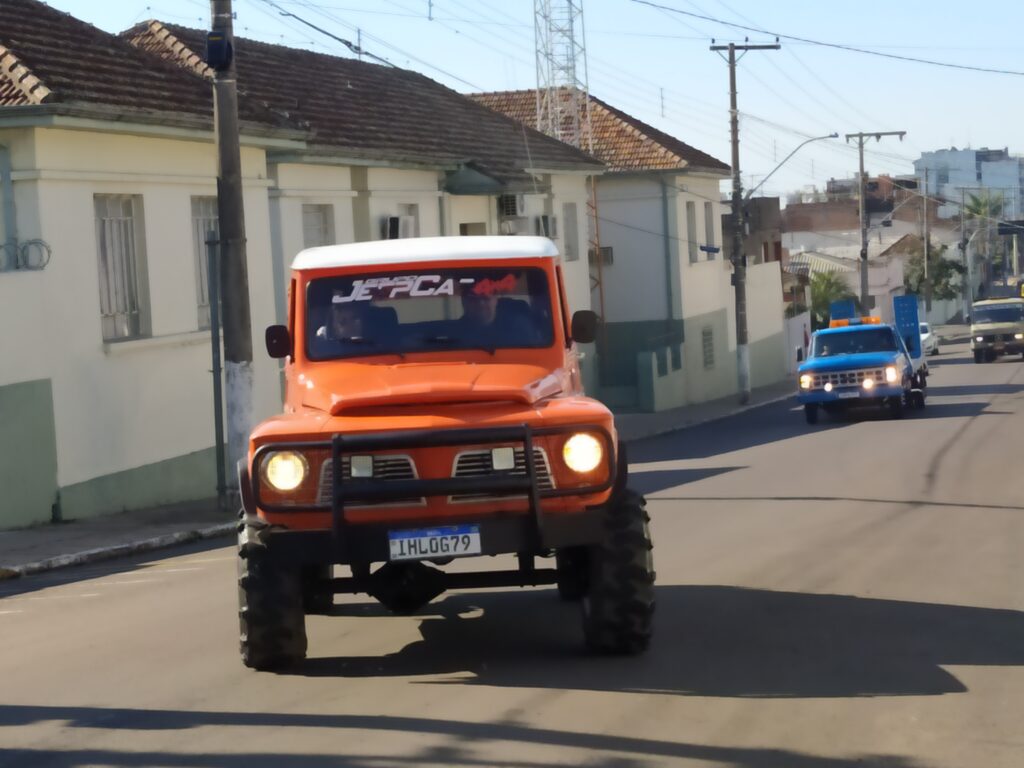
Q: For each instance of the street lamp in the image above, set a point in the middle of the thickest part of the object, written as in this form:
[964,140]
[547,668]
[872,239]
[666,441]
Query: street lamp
[739,260]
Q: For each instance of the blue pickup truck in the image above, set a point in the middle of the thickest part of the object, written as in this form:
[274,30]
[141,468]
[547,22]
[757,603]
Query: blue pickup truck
[861,362]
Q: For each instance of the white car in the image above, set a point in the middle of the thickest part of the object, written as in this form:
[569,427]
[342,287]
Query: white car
[929,340]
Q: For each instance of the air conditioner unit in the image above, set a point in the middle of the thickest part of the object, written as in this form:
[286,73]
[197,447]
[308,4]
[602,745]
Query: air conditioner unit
[511,206]
[390,228]
[607,256]
[547,226]
[514,225]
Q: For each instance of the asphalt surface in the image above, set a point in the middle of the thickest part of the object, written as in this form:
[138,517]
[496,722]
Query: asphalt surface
[849,594]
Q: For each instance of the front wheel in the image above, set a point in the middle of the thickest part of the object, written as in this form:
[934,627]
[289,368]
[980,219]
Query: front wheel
[270,604]
[896,407]
[979,356]
[618,606]
[811,413]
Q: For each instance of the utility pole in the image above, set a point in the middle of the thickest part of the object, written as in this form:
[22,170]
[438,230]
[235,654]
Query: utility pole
[861,138]
[927,249]
[739,258]
[234,280]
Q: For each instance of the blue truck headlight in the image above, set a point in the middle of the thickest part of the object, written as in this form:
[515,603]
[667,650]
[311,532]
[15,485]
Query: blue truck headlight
[891,374]
[806,380]
[868,383]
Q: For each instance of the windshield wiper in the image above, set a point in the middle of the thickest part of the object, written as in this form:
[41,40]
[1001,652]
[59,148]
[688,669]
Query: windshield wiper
[454,340]
[370,343]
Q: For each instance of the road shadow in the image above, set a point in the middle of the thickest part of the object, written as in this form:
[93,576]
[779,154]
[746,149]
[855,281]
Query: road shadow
[766,424]
[466,744]
[648,481]
[711,641]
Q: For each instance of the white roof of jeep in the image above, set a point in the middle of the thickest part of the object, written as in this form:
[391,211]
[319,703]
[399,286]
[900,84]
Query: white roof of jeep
[420,249]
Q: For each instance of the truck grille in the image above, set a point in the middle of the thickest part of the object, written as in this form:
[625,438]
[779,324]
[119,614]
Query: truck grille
[991,338]
[398,467]
[848,378]
[478,464]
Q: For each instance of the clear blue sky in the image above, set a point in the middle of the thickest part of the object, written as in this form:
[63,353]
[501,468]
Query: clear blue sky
[637,53]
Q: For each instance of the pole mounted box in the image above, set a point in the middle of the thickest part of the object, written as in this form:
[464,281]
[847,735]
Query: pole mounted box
[219,51]
[1011,227]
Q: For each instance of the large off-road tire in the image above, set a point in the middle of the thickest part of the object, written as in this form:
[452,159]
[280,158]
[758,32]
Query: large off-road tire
[979,356]
[314,600]
[896,407]
[270,605]
[573,565]
[618,607]
[811,413]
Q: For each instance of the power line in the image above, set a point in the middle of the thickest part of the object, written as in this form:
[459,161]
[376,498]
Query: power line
[823,44]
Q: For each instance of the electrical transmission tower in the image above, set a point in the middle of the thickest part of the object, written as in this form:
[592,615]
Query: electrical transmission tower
[563,103]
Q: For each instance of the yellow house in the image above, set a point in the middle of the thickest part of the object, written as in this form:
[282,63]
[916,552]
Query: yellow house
[108,183]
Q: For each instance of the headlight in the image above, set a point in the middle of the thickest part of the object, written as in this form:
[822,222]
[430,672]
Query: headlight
[1018,336]
[891,374]
[285,470]
[582,452]
[828,386]
[868,384]
[805,381]
[979,338]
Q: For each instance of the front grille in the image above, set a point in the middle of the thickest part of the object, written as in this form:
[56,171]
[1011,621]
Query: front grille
[478,464]
[848,378]
[396,467]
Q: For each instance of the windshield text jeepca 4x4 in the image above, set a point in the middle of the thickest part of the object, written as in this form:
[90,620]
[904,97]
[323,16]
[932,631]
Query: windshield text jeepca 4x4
[433,411]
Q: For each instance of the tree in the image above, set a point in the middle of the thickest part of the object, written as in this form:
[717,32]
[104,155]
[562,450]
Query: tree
[826,287]
[945,274]
[986,209]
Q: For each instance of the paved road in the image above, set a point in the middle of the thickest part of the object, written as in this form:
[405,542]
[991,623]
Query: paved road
[845,595]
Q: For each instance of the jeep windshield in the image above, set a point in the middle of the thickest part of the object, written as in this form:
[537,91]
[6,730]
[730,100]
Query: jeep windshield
[399,313]
[998,313]
[854,342]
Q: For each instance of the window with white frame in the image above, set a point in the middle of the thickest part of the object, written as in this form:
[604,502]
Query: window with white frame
[571,228]
[691,231]
[204,221]
[317,225]
[709,228]
[120,250]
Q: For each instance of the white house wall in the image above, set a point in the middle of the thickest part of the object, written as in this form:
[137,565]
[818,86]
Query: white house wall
[127,405]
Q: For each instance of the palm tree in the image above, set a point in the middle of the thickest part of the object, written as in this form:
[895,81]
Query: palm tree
[985,208]
[826,287]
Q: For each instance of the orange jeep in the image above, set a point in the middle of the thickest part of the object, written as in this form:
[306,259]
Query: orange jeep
[433,411]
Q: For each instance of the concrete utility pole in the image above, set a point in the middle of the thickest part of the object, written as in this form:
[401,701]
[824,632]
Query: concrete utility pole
[927,251]
[234,279]
[739,258]
[861,137]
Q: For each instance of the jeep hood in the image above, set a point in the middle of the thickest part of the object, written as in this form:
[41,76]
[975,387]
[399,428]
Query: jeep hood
[850,362]
[347,387]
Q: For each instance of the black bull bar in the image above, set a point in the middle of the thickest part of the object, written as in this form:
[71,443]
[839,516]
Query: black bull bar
[368,490]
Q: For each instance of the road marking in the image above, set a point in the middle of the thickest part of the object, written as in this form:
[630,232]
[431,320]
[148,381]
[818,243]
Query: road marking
[63,597]
[134,581]
[3,612]
[178,570]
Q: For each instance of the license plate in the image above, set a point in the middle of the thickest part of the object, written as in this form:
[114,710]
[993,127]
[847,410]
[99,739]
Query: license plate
[848,395]
[426,543]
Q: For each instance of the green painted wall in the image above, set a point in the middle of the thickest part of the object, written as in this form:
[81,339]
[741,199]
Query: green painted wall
[28,454]
[184,478]
[618,366]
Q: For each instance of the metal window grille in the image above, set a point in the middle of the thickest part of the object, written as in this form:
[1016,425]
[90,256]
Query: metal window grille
[317,225]
[691,230]
[204,220]
[572,233]
[118,248]
[707,336]
[709,228]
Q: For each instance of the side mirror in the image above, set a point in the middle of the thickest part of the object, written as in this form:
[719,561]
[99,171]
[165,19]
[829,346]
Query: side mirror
[967,319]
[279,341]
[584,326]
[799,354]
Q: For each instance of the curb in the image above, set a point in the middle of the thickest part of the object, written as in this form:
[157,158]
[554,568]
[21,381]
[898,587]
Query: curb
[697,422]
[118,550]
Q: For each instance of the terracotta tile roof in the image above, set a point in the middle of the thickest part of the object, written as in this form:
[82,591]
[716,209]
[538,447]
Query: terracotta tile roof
[621,141]
[50,57]
[373,109]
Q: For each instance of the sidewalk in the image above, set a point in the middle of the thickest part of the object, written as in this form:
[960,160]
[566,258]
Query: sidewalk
[46,547]
[636,426]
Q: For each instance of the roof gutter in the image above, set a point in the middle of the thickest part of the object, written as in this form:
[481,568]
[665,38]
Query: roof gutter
[99,117]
